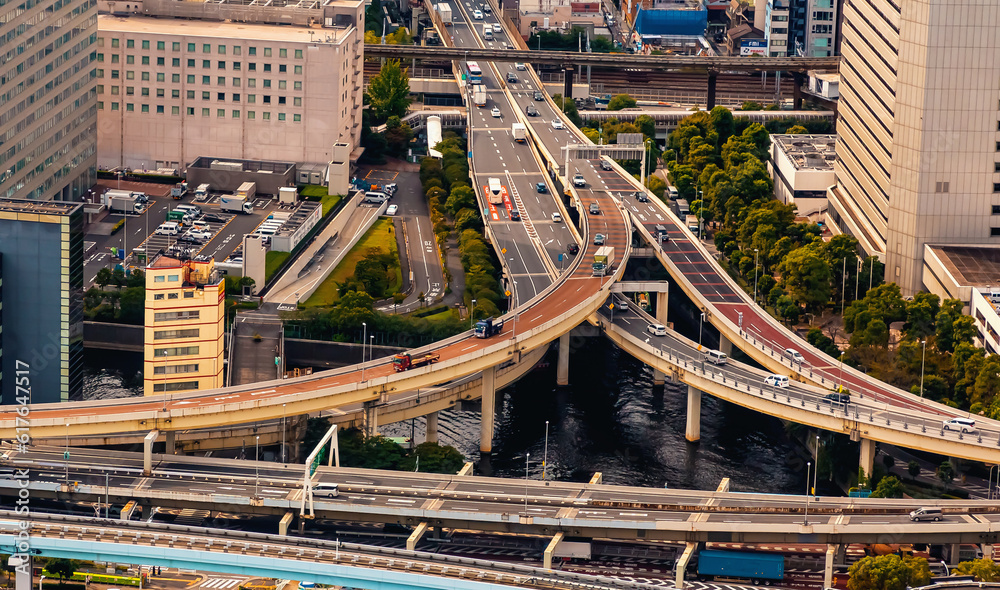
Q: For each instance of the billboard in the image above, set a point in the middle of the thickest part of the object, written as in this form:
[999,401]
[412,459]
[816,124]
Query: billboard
[753,47]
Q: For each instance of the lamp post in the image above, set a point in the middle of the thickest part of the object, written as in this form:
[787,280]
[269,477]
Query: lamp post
[816,471]
[472,314]
[755,275]
[282,433]
[701,207]
[527,457]
[256,468]
[923,356]
[66,459]
[701,324]
[364,338]
[843,287]
[165,353]
[545,455]
[40,580]
[805,518]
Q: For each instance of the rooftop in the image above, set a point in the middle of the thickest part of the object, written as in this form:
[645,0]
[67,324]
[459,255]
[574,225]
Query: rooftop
[236,164]
[215,29]
[21,206]
[977,266]
[808,152]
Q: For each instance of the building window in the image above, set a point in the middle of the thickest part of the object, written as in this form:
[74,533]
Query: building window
[222,50]
[221,80]
[296,118]
[171,295]
[298,54]
[237,66]
[100,73]
[941,187]
[206,95]
[298,69]
[100,105]
[114,106]
[206,48]
[281,84]
[173,316]
[190,63]
[236,98]
[266,116]
[206,63]
[994,232]
[114,74]
[179,386]
[996,166]
[144,92]
[190,79]
[190,94]
[251,98]
[221,96]
[100,88]
[114,43]
[281,100]
[144,76]
[236,82]
[129,43]
[205,112]
[282,53]
[236,114]
[114,90]
[267,99]
[267,67]
[191,111]
[161,61]
[145,44]
[206,80]
[237,50]
[100,58]
[267,83]
[175,110]
[253,51]
[267,52]
[251,115]
[174,369]
[996,210]
[176,351]
[161,45]
[252,66]
[158,296]
[220,113]
[297,101]
[129,59]
[175,78]
[161,77]
[281,116]
[297,85]
[159,109]
[114,58]
[191,47]
[175,62]
[130,90]
[175,46]
[189,294]
[251,82]
[996,187]
[222,65]
[282,68]
[145,108]
[168,334]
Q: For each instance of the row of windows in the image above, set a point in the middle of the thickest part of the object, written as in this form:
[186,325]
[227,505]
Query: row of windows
[205,64]
[193,47]
[178,386]
[205,112]
[206,80]
[167,334]
[175,351]
[162,278]
[170,316]
[175,369]
[156,296]
[190,94]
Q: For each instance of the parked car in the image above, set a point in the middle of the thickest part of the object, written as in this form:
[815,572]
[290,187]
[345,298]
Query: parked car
[213,217]
[200,234]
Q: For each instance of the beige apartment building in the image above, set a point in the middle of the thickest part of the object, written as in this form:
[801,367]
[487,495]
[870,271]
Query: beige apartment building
[181,79]
[48,115]
[918,153]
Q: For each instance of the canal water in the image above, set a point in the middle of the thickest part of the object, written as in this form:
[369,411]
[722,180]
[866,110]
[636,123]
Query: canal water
[609,419]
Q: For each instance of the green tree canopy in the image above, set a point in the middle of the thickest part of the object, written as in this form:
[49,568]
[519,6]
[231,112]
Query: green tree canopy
[888,572]
[621,101]
[984,570]
[389,91]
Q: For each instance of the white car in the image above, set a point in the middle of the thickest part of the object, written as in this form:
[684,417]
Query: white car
[477,14]
[557,124]
[657,329]
[556,217]
[776,381]
[200,234]
[495,112]
[520,67]
[202,225]
[497,28]
[960,425]
[391,210]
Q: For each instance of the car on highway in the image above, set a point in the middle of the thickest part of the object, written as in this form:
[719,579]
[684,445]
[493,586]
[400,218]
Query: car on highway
[326,490]
[515,215]
[200,234]
[578,180]
[487,9]
[556,217]
[557,124]
[540,187]
[511,77]
[959,425]
[391,210]
[595,209]
[520,67]
[776,381]
[531,111]
[538,95]
[605,165]
[837,398]
[794,355]
[657,329]
[477,14]
[641,197]
[598,239]
[497,28]
[495,112]
[572,248]
[927,513]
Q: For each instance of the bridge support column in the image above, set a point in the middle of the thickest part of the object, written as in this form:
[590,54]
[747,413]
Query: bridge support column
[988,552]
[431,427]
[562,367]
[725,345]
[693,430]
[23,568]
[147,452]
[661,308]
[953,555]
[797,91]
[831,554]
[568,85]
[171,442]
[682,564]
[284,523]
[414,538]
[489,401]
[659,378]
[370,419]
[712,79]
[547,559]
[867,456]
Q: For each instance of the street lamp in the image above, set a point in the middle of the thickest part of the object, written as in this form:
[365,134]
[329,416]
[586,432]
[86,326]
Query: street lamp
[364,338]
[472,314]
[923,356]
[545,455]
[165,353]
[40,580]
[527,457]
[843,287]
[841,374]
[805,518]
[66,458]
[282,433]
[816,471]
[701,323]
[755,276]
[256,468]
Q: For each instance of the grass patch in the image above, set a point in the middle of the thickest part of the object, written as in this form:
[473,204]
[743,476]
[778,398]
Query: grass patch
[316,192]
[272,262]
[382,236]
[442,316]
[329,202]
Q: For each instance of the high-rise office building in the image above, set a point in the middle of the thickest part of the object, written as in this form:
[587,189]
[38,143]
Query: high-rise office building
[41,298]
[806,28]
[918,154]
[48,99]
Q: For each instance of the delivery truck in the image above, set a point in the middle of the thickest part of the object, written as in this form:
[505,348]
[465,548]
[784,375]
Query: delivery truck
[488,327]
[247,190]
[479,95]
[692,223]
[444,10]
[202,190]
[404,360]
[179,190]
[495,192]
[604,259]
[757,568]
[235,204]
[520,132]
[122,203]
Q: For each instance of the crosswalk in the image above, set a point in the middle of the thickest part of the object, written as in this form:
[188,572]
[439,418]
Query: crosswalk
[221,583]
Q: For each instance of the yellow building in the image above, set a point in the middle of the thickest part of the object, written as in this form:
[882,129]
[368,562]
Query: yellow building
[185,313]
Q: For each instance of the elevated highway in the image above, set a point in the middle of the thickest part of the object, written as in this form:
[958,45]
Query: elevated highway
[501,505]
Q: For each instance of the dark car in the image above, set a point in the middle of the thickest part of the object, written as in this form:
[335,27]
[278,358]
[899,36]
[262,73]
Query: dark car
[212,217]
[539,95]
[641,197]
[540,187]
[572,248]
[605,165]
[531,111]
[595,209]
[515,215]
[837,398]
[188,238]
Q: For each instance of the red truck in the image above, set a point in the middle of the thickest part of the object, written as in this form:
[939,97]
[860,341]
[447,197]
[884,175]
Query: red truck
[404,361]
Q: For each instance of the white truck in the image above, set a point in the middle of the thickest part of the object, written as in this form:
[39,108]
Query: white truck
[202,191]
[520,132]
[495,194]
[122,202]
[236,204]
[487,32]
[179,190]
[445,11]
[247,190]
[479,95]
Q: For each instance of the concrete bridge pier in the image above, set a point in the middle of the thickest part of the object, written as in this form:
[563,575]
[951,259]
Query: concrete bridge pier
[725,346]
[489,410]
[170,438]
[370,419]
[661,316]
[431,427]
[867,456]
[831,555]
[562,367]
[693,430]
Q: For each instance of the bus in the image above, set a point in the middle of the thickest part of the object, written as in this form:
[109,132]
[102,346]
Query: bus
[473,73]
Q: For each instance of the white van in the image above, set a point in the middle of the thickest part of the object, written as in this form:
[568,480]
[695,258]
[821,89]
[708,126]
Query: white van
[495,186]
[794,355]
[776,381]
[326,490]
[959,425]
[275,225]
[192,208]
[374,198]
[926,513]
[170,228]
[716,357]
[657,329]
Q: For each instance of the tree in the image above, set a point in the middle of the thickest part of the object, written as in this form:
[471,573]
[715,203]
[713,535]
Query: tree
[888,487]
[797,130]
[462,197]
[984,570]
[435,458]
[913,468]
[104,278]
[945,472]
[888,572]
[807,276]
[61,567]
[621,101]
[568,107]
[389,91]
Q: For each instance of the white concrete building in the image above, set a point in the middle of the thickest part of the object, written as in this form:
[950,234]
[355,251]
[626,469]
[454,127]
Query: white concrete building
[194,81]
[970,274]
[918,130]
[802,169]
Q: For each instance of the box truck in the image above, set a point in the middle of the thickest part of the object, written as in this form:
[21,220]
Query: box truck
[604,259]
[235,204]
[520,132]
